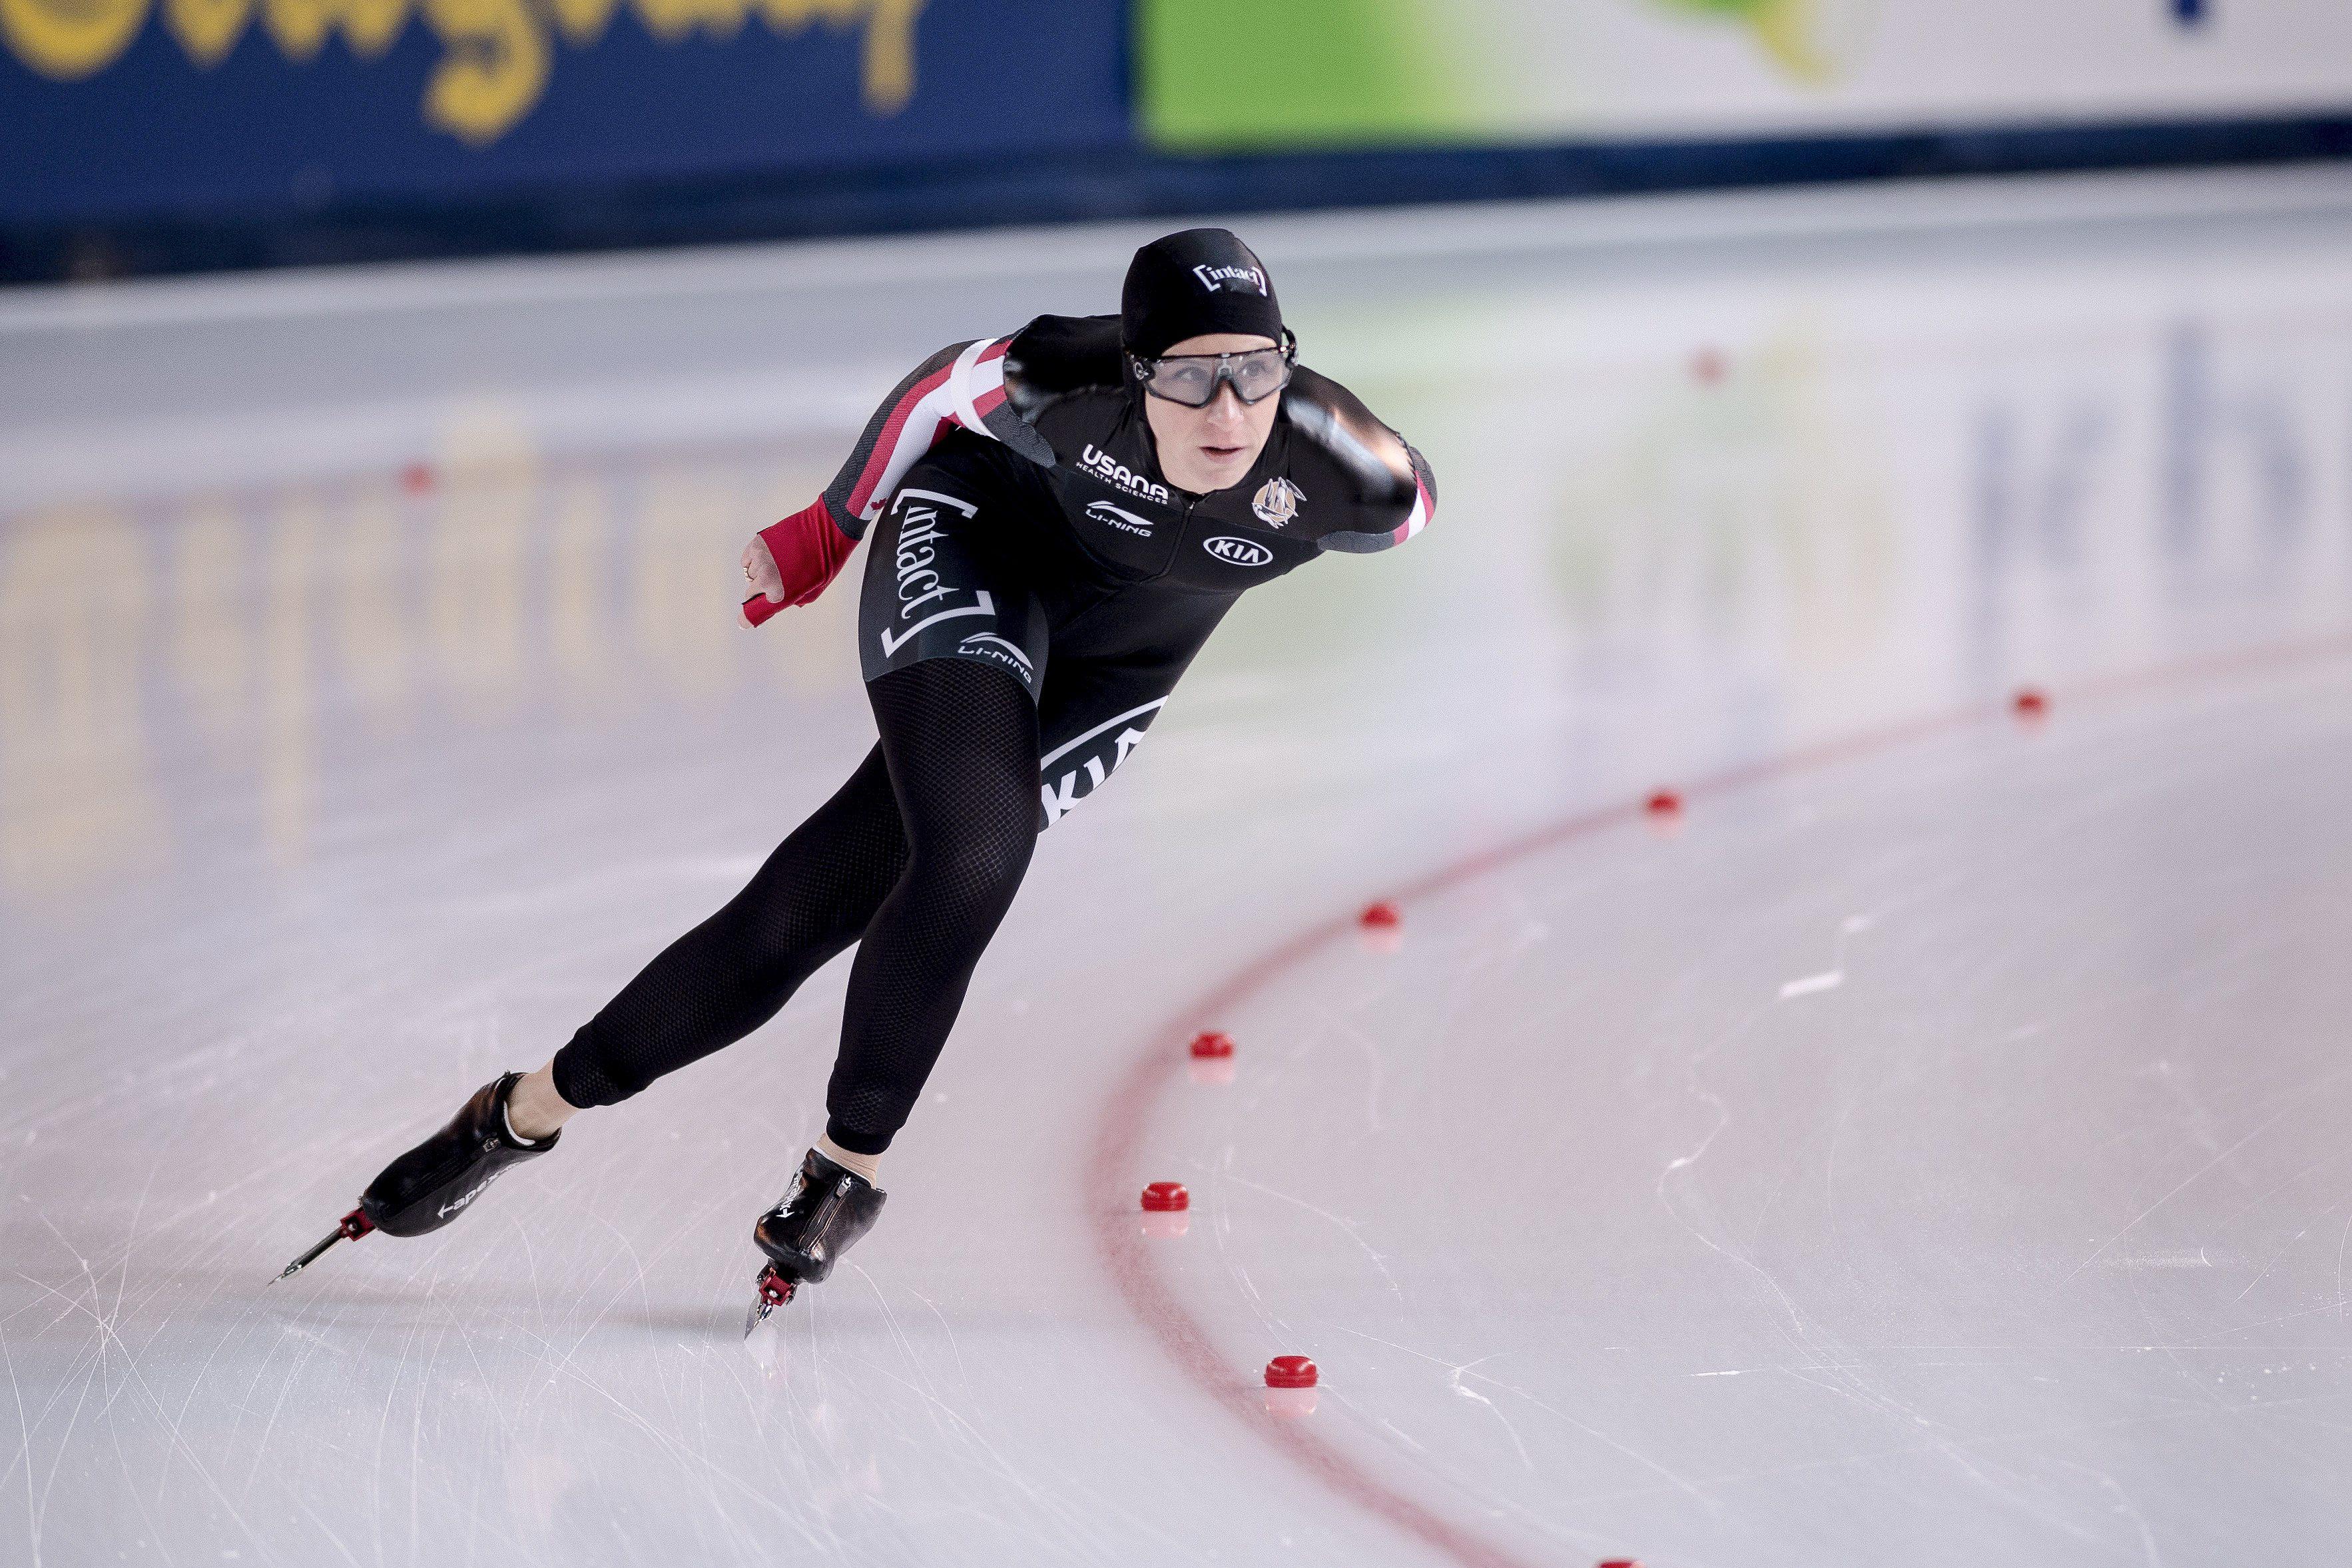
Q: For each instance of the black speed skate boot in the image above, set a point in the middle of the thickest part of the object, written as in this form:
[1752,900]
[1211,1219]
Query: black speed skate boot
[440,1179]
[821,1215]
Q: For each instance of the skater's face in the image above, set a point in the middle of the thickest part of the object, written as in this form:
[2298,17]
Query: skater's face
[1209,448]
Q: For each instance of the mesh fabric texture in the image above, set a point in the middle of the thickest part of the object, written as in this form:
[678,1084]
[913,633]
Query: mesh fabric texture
[920,852]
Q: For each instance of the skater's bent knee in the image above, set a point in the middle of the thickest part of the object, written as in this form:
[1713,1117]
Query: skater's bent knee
[983,867]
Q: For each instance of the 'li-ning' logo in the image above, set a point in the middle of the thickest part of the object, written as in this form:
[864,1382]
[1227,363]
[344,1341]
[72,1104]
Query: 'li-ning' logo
[989,646]
[1118,517]
[1214,278]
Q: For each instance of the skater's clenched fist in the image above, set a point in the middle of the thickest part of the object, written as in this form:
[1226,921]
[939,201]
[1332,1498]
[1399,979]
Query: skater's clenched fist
[791,561]
[760,570]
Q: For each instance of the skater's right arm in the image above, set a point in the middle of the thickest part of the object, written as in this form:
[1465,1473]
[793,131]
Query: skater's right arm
[790,563]
[960,387]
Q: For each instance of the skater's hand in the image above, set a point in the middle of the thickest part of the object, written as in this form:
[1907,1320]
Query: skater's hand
[767,582]
[790,563]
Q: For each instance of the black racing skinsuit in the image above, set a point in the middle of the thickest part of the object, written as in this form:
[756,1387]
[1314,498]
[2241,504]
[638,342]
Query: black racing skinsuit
[1034,590]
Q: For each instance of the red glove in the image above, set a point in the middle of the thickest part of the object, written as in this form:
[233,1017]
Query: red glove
[810,550]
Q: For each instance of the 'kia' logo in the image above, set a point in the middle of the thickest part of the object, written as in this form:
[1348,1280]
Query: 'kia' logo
[1237,552]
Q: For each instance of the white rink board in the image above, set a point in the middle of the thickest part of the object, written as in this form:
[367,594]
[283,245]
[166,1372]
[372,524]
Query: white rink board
[1930,1153]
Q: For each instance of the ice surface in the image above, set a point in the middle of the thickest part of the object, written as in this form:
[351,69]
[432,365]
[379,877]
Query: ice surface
[1929,1148]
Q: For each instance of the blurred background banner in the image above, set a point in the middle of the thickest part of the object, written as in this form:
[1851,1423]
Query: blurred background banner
[170,135]
[1352,72]
[119,108]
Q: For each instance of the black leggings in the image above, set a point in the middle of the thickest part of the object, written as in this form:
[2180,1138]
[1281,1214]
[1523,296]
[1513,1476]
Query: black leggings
[918,855]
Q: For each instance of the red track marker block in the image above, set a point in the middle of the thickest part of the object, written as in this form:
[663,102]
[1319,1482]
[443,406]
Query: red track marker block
[1213,1058]
[1706,366]
[417,478]
[1377,927]
[2029,704]
[1164,1203]
[1620,1563]
[1289,1387]
[1664,812]
[1291,1371]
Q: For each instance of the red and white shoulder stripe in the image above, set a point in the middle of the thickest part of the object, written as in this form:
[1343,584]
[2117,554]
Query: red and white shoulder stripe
[957,395]
[1425,507]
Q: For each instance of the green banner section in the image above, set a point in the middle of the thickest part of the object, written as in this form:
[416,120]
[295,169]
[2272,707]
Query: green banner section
[1233,75]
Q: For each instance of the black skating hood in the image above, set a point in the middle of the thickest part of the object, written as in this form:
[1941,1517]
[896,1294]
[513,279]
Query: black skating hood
[1195,282]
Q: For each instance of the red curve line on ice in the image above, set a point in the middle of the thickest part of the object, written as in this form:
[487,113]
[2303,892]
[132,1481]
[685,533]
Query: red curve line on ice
[1112,1166]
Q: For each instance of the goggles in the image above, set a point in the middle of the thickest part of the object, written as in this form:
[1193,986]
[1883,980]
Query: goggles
[1254,374]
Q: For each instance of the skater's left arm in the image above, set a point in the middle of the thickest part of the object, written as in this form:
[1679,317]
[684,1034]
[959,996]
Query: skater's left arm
[1394,491]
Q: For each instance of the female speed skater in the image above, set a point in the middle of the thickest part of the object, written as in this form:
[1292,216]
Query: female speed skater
[1060,519]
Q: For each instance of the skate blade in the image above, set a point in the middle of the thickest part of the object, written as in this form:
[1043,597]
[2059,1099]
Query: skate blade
[307,1258]
[775,1292]
[352,1226]
[765,1346]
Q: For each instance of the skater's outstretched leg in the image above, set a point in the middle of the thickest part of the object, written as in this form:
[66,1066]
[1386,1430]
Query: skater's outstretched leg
[920,851]
[918,855]
[712,986]
[731,974]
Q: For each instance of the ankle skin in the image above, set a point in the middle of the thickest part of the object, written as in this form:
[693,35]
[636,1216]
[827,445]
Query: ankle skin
[534,1109]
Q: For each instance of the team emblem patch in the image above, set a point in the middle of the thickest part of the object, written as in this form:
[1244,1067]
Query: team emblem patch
[1276,502]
